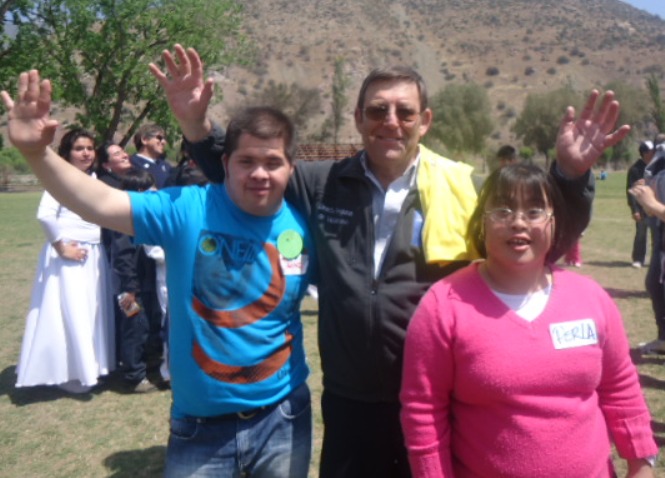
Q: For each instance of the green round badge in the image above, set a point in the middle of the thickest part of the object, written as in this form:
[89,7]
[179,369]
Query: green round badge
[289,244]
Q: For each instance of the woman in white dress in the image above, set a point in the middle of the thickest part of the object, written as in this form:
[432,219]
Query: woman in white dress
[69,333]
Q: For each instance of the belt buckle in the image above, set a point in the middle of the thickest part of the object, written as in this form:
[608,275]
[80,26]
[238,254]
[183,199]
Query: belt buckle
[249,414]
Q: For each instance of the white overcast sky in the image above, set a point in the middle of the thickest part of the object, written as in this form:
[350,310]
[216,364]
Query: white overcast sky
[652,6]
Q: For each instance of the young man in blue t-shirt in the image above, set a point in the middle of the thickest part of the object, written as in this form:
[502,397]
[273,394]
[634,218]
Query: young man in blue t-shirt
[238,264]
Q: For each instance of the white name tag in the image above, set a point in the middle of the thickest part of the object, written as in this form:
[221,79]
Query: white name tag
[576,333]
[294,267]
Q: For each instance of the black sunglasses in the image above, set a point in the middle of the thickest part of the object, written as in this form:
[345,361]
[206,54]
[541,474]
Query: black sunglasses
[380,113]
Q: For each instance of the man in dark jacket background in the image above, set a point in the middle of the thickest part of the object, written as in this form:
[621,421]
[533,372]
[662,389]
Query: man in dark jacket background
[150,143]
[635,173]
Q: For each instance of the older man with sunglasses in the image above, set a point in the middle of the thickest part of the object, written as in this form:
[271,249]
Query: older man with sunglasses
[150,142]
[387,223]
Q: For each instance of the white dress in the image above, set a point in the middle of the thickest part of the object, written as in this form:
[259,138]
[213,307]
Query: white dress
[69,333]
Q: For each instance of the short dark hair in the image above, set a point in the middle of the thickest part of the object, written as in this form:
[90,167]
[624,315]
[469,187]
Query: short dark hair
[394,73]
[505,186]
[262,122]
[68,140]
[149,130]
[137,180]
[507,152]
[102,152]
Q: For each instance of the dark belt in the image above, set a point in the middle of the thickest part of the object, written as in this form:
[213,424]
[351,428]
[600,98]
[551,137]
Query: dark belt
[244,415]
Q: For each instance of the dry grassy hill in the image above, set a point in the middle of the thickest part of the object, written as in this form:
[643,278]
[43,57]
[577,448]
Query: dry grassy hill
[512,47]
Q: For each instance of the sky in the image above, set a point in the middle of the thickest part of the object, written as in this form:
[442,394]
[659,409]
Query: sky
[656,7]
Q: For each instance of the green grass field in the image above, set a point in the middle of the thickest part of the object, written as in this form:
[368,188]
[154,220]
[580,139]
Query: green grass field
[46,433]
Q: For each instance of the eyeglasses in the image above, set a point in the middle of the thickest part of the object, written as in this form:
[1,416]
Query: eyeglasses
[159,137]
[381,112]
[504,215]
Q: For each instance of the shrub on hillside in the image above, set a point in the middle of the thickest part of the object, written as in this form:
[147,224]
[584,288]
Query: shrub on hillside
[12,159]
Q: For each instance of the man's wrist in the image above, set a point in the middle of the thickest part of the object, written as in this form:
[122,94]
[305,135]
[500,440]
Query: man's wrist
[197,131]
[567,173]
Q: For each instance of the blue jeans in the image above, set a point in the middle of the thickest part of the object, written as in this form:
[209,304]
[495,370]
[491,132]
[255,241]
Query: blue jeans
[274,443]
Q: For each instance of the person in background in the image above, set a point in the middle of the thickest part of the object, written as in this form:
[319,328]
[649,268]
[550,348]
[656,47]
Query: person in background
[506,373]
[150,143]
[388,222]
[239,260]
[156,295]
[186,172]
[636,173]
[506,155]
[113,163]
[69,334]
[135,294]
[156,253]
[654,280]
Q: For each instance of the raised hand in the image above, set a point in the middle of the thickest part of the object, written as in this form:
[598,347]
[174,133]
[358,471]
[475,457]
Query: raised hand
[187,93]
[30,127]
[581,141]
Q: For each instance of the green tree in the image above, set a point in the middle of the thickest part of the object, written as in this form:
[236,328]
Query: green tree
[539,121]
[324,134]
[11,159]
[300,103]
[634,111]
[6,32]
[657,108]
[96,52]
[462,118]
[526,153]
[340,84]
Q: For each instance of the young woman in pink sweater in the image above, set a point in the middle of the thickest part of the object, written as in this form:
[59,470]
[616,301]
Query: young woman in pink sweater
[514,367]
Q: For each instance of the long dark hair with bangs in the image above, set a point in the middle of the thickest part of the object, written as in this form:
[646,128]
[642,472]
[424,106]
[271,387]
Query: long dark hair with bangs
[509,185]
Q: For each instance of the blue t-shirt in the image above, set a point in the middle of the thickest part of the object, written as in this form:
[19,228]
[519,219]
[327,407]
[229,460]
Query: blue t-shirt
[235,284]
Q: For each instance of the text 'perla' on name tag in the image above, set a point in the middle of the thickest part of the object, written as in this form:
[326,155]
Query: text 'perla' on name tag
[576,333]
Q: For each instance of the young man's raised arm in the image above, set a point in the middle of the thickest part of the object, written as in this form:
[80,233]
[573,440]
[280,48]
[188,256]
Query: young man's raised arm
[31,130]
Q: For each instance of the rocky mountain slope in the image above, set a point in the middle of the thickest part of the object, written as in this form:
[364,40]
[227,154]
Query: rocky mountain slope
[511,47]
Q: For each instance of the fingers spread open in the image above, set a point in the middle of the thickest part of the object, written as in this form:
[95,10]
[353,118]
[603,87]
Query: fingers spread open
[158,74]
[617,136]
[590,105]
[195,62]
[44,100]
[22,85]
[32,92]
[184,66]
[7,100]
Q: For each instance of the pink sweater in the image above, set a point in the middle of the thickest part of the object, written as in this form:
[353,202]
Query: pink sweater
[487,394]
